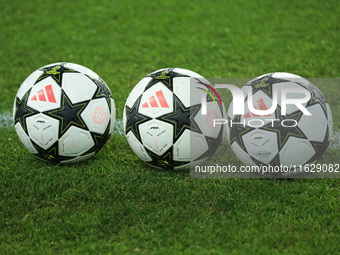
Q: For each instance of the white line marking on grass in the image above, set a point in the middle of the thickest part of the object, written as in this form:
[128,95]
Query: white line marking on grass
[6,120]
[335,142]
[119,128]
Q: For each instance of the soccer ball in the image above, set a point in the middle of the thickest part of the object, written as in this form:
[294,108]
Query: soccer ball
[64,112]
[163,120]
[292,139]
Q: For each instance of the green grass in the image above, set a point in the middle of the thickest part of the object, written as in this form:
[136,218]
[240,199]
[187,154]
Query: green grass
[113,203]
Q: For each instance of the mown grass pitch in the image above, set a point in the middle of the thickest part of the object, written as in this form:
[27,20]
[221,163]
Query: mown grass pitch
[113,203]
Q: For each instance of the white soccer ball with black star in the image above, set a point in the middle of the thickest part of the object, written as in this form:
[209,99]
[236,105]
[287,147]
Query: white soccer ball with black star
[64,112]
[293,139]
[163,120]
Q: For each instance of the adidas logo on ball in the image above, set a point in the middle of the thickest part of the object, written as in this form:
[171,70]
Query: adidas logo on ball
[156,101]
[41,95]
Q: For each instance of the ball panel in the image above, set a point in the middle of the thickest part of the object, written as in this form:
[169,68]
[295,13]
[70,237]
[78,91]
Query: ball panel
[181,88]
[75,142]
[45,95]
[137,147]
[97,115]
[156,101]
[261,145]
[78,87]
[206,122]
[181,149]
[260,101]
[198,144]
[124,120]
[296,152]
[43,130]
[137,91]
[157,136]
[314,126]
[290,108]
[82,69]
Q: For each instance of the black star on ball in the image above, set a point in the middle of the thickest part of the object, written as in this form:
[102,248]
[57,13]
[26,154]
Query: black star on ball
[290,128]
[317,98]
[23,111]
[55,72]
[182,118]
[102,90]
[165,161]
[237,131]
[51,154]
[134,119]
[166,77]
[68,114]
[265,84]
